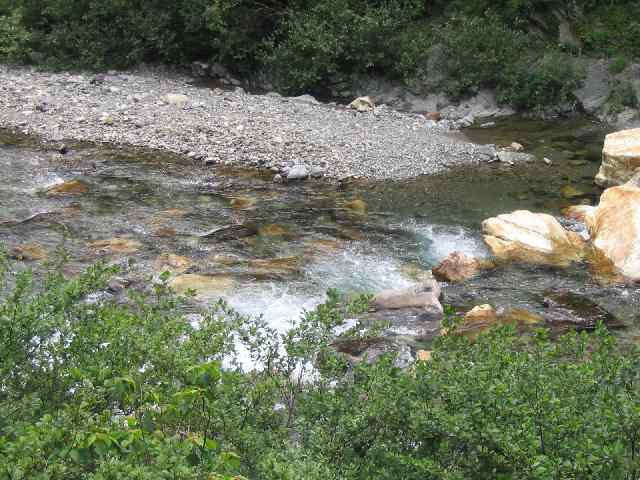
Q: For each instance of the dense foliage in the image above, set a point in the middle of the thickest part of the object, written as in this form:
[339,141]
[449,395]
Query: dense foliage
[511,45]
[94,390]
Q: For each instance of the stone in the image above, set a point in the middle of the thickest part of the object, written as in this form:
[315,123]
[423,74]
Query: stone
[298,172]
[175,99]
[277,178]
[458,267]
[533,238]
[72,187]
[231,232]
[596,87]
[577,212]
[356,205]
[484,317]
[107,120]
[272,230]
[615,229]
[435,116]
[115,245]
[173,263]
[514,157]
[634,181]
[568,310]
[423,355]
[282,264]
[570,192]
[620,158]
[362,104]
[305,99]
[424,297]
[204,285]
[29,252]
[517,147]
[241,203]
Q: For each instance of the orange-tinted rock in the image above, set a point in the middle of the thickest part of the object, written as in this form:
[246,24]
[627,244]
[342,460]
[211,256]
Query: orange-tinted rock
[172,262]
[272,230]
[72,187]
[356,205]
[29,252]
[615,229]
[577,212]
[287,264]
[165,232]
[458,267]
[204,285]
[242,202]
[423,355]
[435,116]
[115,245]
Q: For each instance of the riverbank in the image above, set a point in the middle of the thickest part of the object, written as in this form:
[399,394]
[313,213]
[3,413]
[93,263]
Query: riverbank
[162,110]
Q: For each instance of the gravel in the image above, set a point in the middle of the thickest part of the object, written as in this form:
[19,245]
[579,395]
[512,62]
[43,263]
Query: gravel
[158,109]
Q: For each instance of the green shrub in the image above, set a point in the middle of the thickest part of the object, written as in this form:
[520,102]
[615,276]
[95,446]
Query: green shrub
[107,391]
[621,96]
[14,38]
[319,39]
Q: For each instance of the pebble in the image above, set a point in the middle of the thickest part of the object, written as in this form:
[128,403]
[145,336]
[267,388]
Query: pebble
[386,145]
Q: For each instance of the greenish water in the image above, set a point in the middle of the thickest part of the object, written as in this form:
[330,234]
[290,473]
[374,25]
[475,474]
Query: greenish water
[319,240]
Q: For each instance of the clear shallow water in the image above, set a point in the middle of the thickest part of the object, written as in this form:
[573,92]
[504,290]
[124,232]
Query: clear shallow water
[167,203]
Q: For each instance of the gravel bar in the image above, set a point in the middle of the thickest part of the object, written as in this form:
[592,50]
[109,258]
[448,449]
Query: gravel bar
[159,109]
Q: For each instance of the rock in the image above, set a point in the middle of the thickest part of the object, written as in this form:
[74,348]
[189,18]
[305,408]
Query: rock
[356,205]
[283,264]
[517,147]
[231,232]
[577,212]
[423,355]
[72,187]
[362,104]
[566,310]
[317,172]
[107,120]
[635,181]
[515,157]
[240,203]
[488,125]
[29,252]
[218,71]
[620,158]
[115,245]
[305,99]
[570,192]
[458,267]
[175,99]
[204,285]
[533,238]
[484,317]
[272,230]
[547,161]
[118,284]
[595,88]
[173,263]
[298,172]
[278,178]
[165,232]
[423,298]
[615,229]
[435,116]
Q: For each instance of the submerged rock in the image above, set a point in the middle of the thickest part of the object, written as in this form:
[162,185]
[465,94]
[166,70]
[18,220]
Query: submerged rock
[231,232]
[620,158]
[533,238]
[115,245]
[568,310]
[204,285]
[242,202]
[298,172]
[458,267]
[356,205]
[615,229]
[29,252]
[484,317]
[578,212]
[172,262]
[272,230]
[72,187]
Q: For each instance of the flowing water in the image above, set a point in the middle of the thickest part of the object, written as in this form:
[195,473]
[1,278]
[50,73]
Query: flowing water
[285,245]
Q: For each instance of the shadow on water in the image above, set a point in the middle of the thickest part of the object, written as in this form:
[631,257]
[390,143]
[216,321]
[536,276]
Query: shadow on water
[274,249]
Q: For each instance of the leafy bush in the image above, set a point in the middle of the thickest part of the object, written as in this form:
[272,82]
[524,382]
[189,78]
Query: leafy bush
[104,391]
[319,39]
[622,96]
[14,38]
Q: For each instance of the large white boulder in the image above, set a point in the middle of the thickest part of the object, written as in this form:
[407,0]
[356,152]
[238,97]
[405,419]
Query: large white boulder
[534,238]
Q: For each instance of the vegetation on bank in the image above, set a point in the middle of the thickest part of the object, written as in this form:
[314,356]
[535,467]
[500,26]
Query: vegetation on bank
[303,45]
[96,390]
